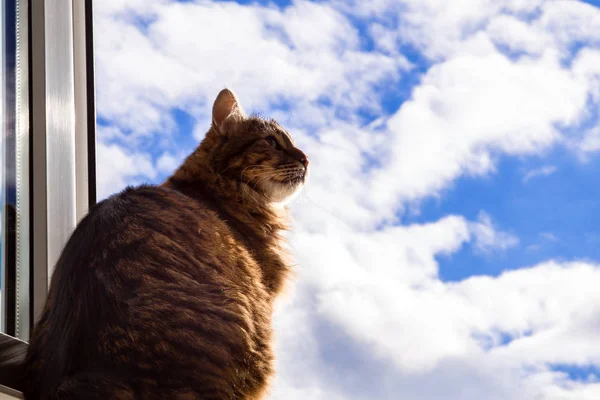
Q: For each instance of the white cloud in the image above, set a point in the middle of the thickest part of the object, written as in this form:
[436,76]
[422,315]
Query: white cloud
[437,27]
[546,170]
[545,239]
[487,239]
[466,110]
[572,22]
[168,163]
[304,54]
[591,141]
[118,167]
[519,36]
[549,237]
[434,332]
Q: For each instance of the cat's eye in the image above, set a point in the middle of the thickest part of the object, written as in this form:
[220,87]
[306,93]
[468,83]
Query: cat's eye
[273,142]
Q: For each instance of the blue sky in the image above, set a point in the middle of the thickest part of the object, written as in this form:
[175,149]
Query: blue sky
[447,241]
[563,204]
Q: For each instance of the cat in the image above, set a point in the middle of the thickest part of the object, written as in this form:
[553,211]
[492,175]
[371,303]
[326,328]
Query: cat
[167,291]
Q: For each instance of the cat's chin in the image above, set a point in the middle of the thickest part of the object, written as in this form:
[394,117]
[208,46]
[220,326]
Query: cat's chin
[281,193]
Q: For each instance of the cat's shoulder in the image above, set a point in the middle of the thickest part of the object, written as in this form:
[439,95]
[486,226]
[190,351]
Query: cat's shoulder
[160,202]
[140,200]
[142,196]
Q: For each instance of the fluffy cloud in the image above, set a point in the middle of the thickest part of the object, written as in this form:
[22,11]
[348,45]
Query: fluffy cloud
[305,54]
[370,317]
[118,167]
[590,142]
[539,172]
[469,109]
[484,337]
[487,239]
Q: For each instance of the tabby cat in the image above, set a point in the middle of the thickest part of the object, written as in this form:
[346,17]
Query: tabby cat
[166,292]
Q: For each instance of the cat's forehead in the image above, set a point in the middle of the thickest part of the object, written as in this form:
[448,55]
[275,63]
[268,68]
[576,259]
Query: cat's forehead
[266,127]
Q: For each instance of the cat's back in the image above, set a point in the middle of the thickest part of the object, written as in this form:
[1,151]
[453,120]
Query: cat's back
[152,218]
[160,224]
[154,284]
[193,294]
[157,208]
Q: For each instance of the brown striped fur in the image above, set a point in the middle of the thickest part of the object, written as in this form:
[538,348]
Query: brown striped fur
[166,292]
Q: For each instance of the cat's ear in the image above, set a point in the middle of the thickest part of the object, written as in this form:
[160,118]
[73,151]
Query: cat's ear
[226,106]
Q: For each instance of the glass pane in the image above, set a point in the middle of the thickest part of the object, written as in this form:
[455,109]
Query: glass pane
[8,198]
[14,172]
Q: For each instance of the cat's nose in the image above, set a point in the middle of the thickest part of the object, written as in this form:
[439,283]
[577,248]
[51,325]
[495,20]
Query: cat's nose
[301,157]
[304,160]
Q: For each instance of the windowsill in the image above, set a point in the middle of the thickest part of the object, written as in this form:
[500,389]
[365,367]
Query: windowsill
[8,393]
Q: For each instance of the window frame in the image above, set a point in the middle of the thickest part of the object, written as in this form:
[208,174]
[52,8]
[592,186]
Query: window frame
[56,121]
[8,13]
[63,151]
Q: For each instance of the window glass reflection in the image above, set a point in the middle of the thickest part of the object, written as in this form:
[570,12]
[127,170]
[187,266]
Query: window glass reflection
[8,195]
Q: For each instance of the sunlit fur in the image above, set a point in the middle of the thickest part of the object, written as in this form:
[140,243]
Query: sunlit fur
[244,163]
[251,180]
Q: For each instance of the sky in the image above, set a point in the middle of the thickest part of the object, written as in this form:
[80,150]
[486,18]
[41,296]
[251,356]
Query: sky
[448,240]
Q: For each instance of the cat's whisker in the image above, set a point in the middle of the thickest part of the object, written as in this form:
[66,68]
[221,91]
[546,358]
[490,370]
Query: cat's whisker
[244,170]
[258,167]
[305,193]
[266,169]
[262,180]
[250,193]
[219,174]
[259,176]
